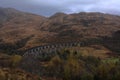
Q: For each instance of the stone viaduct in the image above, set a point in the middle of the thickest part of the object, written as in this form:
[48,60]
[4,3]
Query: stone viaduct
[48,49]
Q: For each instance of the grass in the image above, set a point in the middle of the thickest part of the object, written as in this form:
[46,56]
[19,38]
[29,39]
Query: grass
[111,60]
[91,51]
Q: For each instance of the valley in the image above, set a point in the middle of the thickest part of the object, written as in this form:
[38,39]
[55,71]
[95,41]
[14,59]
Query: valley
[78,46]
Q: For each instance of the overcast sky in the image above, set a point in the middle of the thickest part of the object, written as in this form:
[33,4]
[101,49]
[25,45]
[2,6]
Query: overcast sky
[50,7]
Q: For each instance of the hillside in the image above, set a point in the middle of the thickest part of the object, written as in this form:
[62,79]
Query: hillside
[81,25]
[95,59]
[17,25]
[31,30]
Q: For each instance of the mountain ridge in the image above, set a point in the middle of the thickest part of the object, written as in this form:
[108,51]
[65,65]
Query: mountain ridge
[60,27]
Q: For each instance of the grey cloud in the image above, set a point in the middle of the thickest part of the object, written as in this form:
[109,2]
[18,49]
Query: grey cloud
[49,7]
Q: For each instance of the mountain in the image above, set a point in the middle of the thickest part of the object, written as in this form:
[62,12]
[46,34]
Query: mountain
[100,42]
[81,25]
[18,27]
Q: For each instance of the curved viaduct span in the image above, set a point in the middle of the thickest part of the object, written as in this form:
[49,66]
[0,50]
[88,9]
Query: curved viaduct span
[50,48]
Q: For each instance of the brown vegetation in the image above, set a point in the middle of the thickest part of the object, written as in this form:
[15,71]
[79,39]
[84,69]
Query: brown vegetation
[57,28]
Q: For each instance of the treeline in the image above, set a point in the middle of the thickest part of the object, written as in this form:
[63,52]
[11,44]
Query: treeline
[13,48]
[68,65]
[113,43]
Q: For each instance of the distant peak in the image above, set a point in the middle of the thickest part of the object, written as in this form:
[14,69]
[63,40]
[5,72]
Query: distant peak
[58,14]
[7,8]
[88,13]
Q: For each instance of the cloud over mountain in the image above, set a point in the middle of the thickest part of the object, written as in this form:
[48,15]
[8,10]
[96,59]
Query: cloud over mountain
[49,7]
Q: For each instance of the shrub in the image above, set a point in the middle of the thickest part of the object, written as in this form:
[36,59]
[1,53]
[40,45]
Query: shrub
[2,75]
[55,66]
[73,69]
[15,59]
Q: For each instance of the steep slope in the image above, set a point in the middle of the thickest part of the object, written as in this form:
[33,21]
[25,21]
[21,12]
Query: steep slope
[17,25]
[82,25]
[26,30]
